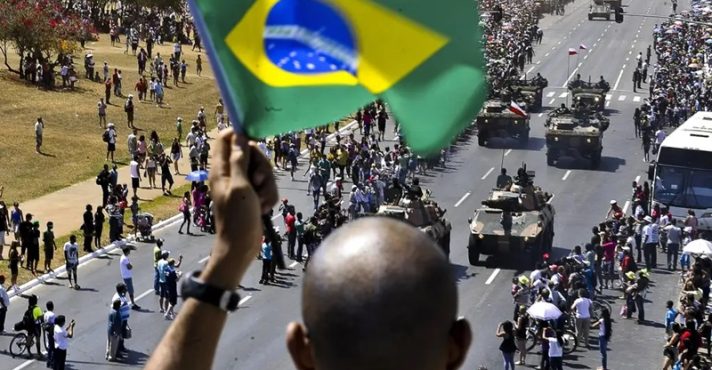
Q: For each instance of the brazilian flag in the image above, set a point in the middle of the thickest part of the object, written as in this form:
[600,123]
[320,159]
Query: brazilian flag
[285,65]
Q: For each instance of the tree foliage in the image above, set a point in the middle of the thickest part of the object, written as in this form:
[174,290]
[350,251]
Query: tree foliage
[43,28]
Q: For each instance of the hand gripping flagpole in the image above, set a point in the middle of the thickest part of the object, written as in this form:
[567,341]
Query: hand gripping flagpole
[235,119]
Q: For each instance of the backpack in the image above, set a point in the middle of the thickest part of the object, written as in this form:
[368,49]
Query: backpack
[106,137]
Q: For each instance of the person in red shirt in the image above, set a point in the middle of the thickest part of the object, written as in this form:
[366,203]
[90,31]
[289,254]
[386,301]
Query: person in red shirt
[289,220]
[689,339]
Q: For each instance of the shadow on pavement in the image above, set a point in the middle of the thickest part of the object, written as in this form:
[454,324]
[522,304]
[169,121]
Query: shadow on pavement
[460,272]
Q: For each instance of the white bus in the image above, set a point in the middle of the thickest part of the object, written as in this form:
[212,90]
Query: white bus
[682,174]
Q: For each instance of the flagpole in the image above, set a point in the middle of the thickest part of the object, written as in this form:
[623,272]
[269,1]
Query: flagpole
[501,165]
[568,73]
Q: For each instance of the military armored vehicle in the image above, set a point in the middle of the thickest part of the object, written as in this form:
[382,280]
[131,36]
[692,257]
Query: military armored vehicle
[425,215]
[516,220]
[599,11]
[531,92]
[588,95]
[575,134]
[497,120]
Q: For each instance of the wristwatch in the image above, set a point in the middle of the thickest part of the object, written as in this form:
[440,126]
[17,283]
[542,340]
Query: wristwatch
[193,287]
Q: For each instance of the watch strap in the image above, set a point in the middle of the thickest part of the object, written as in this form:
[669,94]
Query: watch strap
[194,287]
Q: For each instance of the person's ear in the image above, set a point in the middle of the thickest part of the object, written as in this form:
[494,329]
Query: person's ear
[300,347]
[459,343]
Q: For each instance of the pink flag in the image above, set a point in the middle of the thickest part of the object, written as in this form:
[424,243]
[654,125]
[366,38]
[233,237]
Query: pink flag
[516,109]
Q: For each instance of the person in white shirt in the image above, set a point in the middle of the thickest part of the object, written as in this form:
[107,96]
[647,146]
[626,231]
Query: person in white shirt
[135,175]
[582,307]
[71,257]
[48,326]
[126,269]
[39,127]
[110,141]
[4,303]
[651,238]
[61,341]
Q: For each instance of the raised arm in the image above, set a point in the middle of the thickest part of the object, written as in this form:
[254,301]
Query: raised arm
[192,339]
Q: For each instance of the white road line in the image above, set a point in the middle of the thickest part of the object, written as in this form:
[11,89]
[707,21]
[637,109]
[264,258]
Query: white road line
[488,173]
[636,99]
[594,45]
[244,300]
[552,101]
[291,265]
[566,83]
[509,150]
[622,98]
[618,80]
[24,365]
[530,69]
[580,63]
[540,114]
[491,278]
[585,57]
[144,294]
[202,260]
[625,207]
[599,39]
[627,59]
[563,95]
[550,94]
[538,62]
[608,103]
[558,43]
[551,199]
[462,199]
[608,96]
[566,175]
[275,217]
[547,54]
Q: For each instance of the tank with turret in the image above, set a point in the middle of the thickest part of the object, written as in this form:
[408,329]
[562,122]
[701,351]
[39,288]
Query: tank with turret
[589,95]
[516,220]
[426,215]
[496,120]
[576,134]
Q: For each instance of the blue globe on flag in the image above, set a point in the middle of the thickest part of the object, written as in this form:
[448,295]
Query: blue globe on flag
[309,37]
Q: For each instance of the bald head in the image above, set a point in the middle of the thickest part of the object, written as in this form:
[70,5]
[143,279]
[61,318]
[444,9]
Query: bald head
[379,294]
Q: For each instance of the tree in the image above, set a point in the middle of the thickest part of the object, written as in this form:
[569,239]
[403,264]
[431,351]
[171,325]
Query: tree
[42,28]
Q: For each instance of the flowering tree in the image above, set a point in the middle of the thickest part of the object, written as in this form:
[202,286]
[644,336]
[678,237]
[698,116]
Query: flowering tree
[42,28]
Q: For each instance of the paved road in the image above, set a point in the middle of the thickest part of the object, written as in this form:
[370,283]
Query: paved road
[254,338]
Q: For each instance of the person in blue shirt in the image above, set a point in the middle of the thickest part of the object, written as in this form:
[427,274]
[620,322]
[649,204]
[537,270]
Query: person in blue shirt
[670,316]
[266,255]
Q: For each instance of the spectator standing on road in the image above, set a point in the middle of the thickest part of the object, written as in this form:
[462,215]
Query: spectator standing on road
[266,255]
[582,307]
[114,331]
[289,222]
[156,257]
[48,320]
[49,247]
[674,239]
[98,225]
[4,304]
[184,208]
[71,258]
[88,228]
[650,234]
[505,331]
[299,227]
[172,277]
[604,336]
[39,129]
[61,341]
[162,267]
[126,270]
[124,312]
[556,350]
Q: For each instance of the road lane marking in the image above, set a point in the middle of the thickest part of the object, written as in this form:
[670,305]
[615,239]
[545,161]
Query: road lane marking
[618,80]
[636,99]
[551,199]
[24,365]
[538,62]
[608,103]
[275,217]
[625,207]
[585,57]
[244,300]
[488,173]
[462,199]
[291,265]
[509,150]
[540,114]
[563,95]
[580,63]
[566,175]
[144,294]
[622,98]
[530,69]
[552,101]
[568,79]
[202,260]
[550,94]
[608,96]
[491,278]
[547,54]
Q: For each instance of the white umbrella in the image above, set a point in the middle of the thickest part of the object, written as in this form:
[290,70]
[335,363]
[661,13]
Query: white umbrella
[544,311]
[698,246]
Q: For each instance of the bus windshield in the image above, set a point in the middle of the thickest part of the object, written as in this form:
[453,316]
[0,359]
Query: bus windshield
[683,187]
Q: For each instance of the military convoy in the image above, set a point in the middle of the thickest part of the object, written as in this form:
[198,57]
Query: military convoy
[588,95]
[599,11]
[425,215]
[530,91]
[575,134]
[497,120]
[516,219]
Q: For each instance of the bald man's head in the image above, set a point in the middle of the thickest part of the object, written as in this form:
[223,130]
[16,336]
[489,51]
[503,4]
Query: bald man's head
[379,294]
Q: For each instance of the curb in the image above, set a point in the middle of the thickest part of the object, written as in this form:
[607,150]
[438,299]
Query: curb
[88,257]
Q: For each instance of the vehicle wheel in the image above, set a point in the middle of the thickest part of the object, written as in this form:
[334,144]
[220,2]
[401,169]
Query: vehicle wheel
[481,139]
[18,345]
[570,341]
[590,17]
[596,160]
[473,250]
[531,340]
[550,159]
[445,244]
[608,17]
[524,138]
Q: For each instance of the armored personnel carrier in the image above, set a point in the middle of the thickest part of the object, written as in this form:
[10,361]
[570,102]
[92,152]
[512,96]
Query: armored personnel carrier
[589,95]
[516,220]
[531,92]
[575,134]
[497,120]
[599,11]
[425,215]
